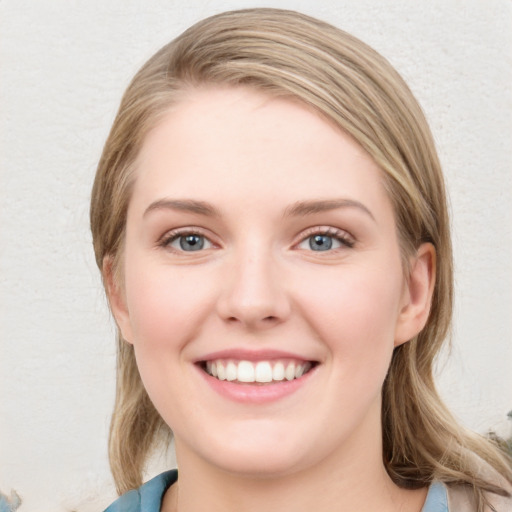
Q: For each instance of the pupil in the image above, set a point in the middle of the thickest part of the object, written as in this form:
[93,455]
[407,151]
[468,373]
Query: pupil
[191,242]
[320,243]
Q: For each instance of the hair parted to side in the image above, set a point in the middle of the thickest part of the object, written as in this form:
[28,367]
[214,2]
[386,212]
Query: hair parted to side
[291,55]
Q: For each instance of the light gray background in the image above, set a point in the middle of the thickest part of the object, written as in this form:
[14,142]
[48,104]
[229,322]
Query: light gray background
[63,67]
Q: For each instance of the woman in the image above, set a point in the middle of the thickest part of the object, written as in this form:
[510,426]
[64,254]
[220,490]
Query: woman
[270,220]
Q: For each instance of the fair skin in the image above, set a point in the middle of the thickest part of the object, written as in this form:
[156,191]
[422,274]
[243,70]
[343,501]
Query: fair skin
[258,232]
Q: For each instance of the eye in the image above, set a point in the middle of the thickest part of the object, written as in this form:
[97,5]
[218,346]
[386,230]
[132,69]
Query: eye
[187,242]
[322,242]
[326,241]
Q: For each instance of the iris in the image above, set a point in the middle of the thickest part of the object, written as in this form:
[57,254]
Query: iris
[191,242]
[320,242]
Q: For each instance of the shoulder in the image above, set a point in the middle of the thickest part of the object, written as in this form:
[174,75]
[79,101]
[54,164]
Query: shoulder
[146,498]
[462,499]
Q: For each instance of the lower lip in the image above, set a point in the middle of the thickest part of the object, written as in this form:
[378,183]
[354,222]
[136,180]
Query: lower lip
[253,392]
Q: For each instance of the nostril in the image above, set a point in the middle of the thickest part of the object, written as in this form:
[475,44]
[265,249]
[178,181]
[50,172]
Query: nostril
[253,323]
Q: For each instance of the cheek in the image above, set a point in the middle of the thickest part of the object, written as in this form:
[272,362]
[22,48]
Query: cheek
[354,310]
[166,305]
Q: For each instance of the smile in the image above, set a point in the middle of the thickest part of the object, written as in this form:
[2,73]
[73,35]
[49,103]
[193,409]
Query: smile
[261,372]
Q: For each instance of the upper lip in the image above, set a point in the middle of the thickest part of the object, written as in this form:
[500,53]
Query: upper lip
[252,355]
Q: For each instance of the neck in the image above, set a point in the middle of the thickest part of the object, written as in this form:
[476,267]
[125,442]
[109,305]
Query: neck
[341,483]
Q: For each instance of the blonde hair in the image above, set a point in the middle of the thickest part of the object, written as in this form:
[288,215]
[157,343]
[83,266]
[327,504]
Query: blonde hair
[288,54]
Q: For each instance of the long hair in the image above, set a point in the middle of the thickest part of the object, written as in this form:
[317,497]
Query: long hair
[287,54]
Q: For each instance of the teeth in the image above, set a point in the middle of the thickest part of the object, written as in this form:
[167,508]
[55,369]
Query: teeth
[221,371]
[261,372]
[231,372]
[245,371]
[278,371]
[289,373]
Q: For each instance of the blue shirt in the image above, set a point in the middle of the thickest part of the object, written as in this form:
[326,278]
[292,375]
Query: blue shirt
[148,497]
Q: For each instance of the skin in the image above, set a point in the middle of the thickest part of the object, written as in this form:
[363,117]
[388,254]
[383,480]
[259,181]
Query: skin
[258,285]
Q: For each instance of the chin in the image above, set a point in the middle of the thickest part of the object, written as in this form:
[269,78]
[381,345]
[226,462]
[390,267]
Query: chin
[261,464]
[250,452]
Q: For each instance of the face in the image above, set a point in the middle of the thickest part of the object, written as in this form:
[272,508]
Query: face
[262,283]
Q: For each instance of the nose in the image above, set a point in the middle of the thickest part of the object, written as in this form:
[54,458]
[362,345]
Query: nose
[254,295]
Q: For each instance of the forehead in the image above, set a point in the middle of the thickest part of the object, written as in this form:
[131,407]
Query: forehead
[248,143]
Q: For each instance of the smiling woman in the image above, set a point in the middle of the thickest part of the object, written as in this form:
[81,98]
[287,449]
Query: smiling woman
[270,220]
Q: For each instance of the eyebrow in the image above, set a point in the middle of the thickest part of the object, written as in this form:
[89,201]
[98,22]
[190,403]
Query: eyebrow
[303,208]
[184,205]
[300,208]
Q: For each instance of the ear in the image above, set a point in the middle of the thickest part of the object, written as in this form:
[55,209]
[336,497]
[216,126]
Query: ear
[417,294]
[117,299]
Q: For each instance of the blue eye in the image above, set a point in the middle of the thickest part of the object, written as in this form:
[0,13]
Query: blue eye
[326,241]
[189,242]
[322,242]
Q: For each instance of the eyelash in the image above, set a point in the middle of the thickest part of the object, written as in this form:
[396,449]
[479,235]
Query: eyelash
[341,236]
[176,234]
[346,240]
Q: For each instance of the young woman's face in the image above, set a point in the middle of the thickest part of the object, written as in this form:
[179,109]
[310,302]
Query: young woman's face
[261,248]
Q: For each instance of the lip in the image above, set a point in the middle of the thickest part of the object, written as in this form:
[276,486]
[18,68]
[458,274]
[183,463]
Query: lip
[252,355]
[254,393]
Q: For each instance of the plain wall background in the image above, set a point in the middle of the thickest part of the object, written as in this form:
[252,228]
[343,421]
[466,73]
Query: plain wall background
[63,67]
